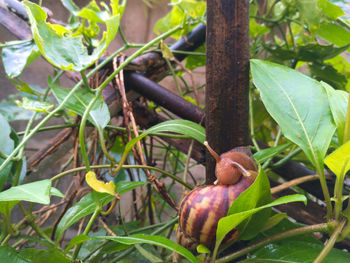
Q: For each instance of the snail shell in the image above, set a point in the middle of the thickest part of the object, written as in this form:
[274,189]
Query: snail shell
[201,210]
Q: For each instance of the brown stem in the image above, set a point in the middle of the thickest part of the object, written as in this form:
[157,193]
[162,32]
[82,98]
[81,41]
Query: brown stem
[294,182]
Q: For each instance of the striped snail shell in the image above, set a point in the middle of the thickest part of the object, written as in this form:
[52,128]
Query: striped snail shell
[202,208]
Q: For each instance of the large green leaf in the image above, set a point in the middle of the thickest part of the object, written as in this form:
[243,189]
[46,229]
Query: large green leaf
[17,55]
[258,194]
[36,192]
[6,147]
[338,101]
[99,115]
[62,47]
[84,207]
[188,128]
[298,104]
[292,251]
[153,240]
[334,33]
[226,224]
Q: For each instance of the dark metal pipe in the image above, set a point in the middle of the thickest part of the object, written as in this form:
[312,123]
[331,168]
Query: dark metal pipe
[163,97]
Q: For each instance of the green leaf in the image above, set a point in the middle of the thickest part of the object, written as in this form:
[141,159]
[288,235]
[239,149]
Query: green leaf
[195,61]
[188,128]
[273,221]
[178,14]
[6,147]
[334,34]
[265,154]
[338,101]
[201,249]
[327,73]
[296,251]
[33,255]
[60,46]
[55,192]
[36,192]
[9,254]
[258,194]
[313,52]
[226,224]
[339,160]
[329,9]
[99,115]
[34,105]
[12,112]
[153,240]
[311,18]
[298,104]
[123,187]
[76,240]
[17,55]
[84,207]
[148,255]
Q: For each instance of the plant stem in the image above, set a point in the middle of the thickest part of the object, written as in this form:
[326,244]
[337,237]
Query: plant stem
[327,198]
[330,243]
[86,230]
[101,166]
[86,82]
[294,232]
[293,182]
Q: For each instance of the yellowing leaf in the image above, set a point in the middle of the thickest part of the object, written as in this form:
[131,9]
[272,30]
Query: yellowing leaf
[166,52]
[98,185]
[339,160]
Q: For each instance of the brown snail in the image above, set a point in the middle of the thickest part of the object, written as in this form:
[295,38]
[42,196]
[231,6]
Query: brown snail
[201,209]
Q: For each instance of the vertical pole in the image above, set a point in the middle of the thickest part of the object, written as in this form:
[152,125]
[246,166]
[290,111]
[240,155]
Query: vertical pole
[227,77]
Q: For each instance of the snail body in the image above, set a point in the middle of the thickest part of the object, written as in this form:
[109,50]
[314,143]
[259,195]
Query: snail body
[202,208]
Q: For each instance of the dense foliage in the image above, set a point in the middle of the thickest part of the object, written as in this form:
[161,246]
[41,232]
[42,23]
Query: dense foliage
[299,97]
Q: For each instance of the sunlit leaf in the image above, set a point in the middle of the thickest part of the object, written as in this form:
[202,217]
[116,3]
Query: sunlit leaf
[60,46]
[99,186]
[298,104]
[339,160]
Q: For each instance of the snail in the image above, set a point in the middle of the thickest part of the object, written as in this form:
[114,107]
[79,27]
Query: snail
[201,209]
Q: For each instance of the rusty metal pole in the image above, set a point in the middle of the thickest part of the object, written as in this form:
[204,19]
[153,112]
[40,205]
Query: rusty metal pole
[227,76]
